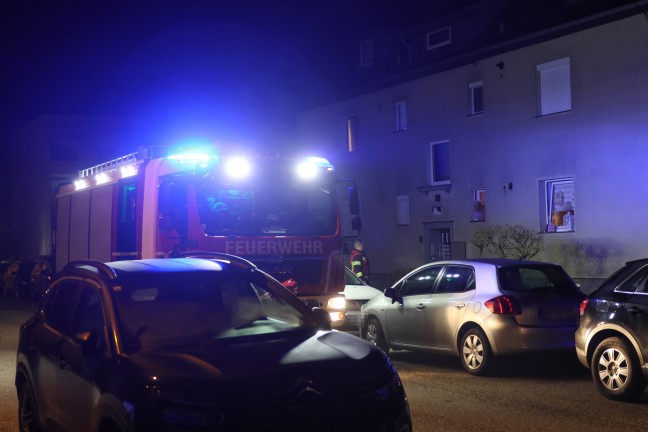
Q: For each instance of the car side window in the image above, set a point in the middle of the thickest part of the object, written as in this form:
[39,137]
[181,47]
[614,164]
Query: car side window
[456,279]
[89,318]
[421,282]
[637,283]
[58,309]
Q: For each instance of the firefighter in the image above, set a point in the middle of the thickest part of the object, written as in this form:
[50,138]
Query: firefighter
[359,262]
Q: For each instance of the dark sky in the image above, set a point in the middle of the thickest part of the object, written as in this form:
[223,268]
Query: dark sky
[170,60]
[209,65]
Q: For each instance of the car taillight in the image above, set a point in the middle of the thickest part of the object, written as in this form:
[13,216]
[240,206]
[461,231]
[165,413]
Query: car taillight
[504,305]
[583,305]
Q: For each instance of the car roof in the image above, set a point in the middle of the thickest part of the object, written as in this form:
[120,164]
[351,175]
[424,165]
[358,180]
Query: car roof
[497,262]
[170,265]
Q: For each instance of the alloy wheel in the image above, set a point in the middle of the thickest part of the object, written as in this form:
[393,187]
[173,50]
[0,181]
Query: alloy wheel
[473,352]
[613,369]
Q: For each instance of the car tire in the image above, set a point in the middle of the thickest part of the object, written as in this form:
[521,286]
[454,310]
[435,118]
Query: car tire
[616,370]
[27,410]
[475,352]
[375,335]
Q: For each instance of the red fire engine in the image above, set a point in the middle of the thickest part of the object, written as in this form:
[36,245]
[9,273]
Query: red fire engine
[285,215]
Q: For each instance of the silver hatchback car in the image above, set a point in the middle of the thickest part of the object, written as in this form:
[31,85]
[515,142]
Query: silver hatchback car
[476,309]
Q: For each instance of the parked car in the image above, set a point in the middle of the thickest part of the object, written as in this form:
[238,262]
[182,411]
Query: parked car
[612,338]
[476,309]
[193,344]
[356,293]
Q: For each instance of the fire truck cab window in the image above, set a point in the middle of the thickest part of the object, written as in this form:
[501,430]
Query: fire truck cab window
[277,208]
[172,204]
[127,212]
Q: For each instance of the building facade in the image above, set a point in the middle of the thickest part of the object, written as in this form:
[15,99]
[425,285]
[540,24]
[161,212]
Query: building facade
[550,136]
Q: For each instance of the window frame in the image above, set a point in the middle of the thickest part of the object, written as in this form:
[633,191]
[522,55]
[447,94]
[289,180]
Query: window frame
[403,210]
[432,46]
[479,198]
[352,133]
[472,87]
[549,191]
[432,163]
[554,87]
[400,109]
[366,52]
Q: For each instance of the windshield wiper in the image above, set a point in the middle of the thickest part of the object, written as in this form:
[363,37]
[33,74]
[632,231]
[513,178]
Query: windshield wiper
[252,322]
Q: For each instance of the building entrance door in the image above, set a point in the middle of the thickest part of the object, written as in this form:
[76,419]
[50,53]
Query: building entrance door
[439,244]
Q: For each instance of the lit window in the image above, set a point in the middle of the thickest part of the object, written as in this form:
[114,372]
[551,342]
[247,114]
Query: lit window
[479,205]
[439,162]
[352,133]
[401,116]
[559,204]
[554,87]
[366,53]
[438,38]
[476,90]
[402,210]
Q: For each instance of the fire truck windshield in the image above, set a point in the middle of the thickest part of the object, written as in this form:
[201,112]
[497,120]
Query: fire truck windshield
[274,208]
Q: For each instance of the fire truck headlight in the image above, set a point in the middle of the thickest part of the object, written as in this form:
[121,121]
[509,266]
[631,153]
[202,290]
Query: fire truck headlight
[237,167]
[306,170]
[337,303]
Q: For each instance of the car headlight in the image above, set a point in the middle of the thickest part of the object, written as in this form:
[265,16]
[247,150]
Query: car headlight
[336,303]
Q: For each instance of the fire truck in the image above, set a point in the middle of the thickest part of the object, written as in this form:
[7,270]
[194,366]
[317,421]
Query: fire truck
[288,216]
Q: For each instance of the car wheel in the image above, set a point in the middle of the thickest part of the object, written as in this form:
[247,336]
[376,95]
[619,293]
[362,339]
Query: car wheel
[616,370]
[475,352]
[27,410]
[375,334]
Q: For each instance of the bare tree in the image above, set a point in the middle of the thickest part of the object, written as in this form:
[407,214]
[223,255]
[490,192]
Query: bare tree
[508,241]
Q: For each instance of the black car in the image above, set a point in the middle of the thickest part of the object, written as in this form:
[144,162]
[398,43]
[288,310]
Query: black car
[612,339]
[192,344]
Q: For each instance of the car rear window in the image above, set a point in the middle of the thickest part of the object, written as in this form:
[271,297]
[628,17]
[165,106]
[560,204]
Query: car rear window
[535,278]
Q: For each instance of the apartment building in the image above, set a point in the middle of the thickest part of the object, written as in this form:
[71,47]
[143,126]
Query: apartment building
[548,132]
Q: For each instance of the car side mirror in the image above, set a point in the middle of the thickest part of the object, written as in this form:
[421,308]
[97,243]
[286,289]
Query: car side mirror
[391,293]
[88,341]
[323,318]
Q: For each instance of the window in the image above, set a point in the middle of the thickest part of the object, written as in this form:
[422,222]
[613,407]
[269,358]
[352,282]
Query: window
[559,204]
[439,162]
[402,210]
[401,116]
[476,90]
[420,283]
[58,309]
[366,52]
[479,205]
[352,133]
[554,87]
[456,280]
[438,38]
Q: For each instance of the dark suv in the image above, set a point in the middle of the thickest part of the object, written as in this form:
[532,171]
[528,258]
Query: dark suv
[192,344]
[612,339]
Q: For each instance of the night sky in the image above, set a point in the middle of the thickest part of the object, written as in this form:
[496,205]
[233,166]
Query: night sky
[207,65]
[184,64]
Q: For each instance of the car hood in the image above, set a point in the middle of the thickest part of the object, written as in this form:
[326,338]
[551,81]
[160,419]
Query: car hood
[360,292]
[247,370]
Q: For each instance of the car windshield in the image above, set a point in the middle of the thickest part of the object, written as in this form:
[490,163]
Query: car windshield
[183,309]
[277,207]
[535,278]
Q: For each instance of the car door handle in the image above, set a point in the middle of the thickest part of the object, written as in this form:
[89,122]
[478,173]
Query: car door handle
[635,310]
[460,305]
[420,306]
